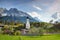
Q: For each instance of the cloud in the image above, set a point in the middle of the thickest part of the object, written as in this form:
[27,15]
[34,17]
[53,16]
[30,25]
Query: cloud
[39,16]
[34,14]
[37,7]
[55,7]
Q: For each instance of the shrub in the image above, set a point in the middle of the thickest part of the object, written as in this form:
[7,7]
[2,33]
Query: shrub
[17,32]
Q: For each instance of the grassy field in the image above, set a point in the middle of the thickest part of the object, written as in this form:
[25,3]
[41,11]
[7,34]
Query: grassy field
[45,37]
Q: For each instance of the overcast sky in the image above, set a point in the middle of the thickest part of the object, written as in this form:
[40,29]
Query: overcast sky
[43,9]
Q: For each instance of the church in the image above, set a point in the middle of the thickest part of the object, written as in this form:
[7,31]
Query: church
[27,27]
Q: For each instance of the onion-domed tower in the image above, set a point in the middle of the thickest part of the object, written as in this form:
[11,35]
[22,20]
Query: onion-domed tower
[27,23]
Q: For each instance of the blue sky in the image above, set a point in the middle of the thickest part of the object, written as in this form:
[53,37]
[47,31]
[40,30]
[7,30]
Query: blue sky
[42,9]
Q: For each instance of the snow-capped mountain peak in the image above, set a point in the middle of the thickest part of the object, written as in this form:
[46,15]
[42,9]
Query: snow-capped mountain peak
[16,14]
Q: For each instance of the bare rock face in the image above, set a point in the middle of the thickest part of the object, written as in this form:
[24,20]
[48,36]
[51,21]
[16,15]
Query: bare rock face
[15,15]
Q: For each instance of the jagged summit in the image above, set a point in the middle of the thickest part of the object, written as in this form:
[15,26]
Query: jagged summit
[15,14]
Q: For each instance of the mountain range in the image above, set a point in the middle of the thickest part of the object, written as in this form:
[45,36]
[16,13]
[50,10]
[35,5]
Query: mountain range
[15,15]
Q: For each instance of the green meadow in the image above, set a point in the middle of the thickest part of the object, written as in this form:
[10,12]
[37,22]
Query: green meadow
[44,37]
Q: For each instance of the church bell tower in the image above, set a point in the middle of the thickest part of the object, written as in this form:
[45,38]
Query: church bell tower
[27,23]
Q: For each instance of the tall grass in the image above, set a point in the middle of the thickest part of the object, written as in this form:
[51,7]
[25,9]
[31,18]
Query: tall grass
[45,37]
